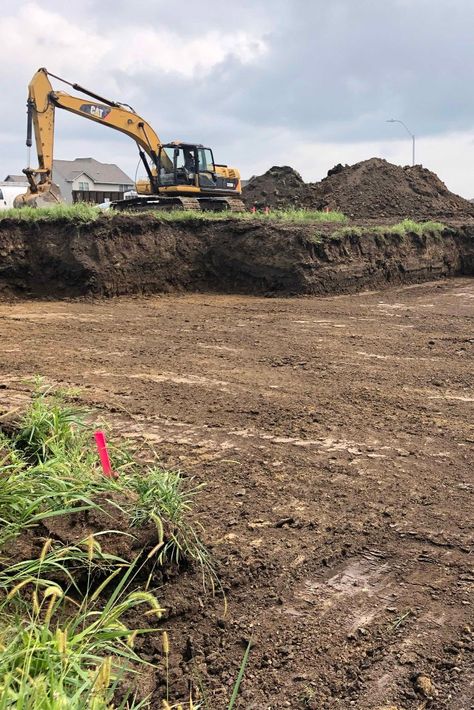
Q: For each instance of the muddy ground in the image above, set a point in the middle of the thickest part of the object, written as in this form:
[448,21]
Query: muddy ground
[335,438]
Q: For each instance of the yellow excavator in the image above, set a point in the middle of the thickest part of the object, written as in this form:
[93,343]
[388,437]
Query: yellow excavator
[180,175]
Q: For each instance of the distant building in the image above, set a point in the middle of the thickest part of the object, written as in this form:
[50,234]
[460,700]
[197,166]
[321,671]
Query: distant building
[87,180]
[18,179]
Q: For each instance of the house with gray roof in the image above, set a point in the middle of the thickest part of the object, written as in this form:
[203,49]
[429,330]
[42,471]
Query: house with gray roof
[87,180]
[17,179]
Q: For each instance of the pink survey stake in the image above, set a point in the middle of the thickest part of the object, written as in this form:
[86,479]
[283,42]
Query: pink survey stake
[99,437]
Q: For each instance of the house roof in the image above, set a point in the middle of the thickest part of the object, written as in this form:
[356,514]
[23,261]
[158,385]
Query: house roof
[16,178]
[108,173]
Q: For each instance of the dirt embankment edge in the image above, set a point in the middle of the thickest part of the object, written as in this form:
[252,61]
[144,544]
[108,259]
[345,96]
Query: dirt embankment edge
[127,255]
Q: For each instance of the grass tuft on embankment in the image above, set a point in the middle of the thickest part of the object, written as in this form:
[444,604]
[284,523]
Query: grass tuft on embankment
[401,229]
[66,632]
[83,212]
[289,215]
[409,226]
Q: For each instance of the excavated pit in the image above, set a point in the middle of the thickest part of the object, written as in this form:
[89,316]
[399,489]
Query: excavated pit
[142,255]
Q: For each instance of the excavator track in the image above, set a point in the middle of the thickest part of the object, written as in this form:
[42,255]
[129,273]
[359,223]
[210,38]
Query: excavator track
[189,203]
[235,205]
[156,202]
[162,203]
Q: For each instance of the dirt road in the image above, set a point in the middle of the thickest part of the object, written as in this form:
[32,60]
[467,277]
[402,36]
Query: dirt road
[335,437]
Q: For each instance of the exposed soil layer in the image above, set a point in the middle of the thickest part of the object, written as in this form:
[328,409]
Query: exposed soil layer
[128,255]
[335,437]
[371,189]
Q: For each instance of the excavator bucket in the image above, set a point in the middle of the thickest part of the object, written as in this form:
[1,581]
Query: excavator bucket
[42,198]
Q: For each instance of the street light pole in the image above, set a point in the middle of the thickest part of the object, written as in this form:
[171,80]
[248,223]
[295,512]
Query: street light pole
[396,120]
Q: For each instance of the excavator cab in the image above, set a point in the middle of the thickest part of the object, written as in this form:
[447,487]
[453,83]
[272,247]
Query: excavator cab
[186,164]
[190,167]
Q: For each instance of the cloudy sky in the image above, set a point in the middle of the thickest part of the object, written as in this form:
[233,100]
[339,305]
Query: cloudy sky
[306,83]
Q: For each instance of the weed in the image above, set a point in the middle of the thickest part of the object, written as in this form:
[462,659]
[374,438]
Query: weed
[400,620]
[62,645]
[49,468]
[402,229]
[53,657]
[315,238]
[80,212]
[83,212]
[240,676]
[48,429]
[307,696]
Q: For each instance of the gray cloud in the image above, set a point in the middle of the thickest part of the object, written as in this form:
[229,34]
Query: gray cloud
[331,72]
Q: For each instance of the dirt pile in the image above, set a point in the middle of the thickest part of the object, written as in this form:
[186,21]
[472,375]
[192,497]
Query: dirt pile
[376,188]
[371,189]
[279,187]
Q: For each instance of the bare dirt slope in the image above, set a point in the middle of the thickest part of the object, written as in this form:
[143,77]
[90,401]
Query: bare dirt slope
[335,438]
[128,254]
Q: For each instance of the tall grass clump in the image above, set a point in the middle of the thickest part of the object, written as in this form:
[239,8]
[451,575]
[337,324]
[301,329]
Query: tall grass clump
[80,212]
[49,467]
[84,212]
[52,657]
[409,226]
[66,640]
[279,215]
[402,229]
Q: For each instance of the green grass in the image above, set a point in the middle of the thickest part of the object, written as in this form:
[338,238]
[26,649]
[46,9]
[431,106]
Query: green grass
[66,636]
[402,229]
[53,658]
[409,226]
[83,212]
[65,641]
[48,466]
[289,215]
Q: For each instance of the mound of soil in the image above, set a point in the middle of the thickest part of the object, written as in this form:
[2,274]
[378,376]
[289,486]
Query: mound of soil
[376,188]
[279,187]
[371,189]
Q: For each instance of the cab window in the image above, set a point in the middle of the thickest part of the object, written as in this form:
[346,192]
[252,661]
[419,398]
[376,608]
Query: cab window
[1,195]
[167,159]
[206,162]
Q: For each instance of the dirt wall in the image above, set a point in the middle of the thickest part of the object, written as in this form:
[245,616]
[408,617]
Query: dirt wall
[126,255]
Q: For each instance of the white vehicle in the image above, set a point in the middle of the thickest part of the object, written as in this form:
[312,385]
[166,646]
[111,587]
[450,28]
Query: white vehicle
[8,192]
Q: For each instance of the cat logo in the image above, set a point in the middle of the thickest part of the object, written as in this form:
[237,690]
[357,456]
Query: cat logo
[96,110]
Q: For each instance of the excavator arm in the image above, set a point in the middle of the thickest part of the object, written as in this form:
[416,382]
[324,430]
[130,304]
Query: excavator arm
[42,103]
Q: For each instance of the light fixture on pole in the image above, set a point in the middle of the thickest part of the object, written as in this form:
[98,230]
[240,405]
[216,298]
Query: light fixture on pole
[397,120]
